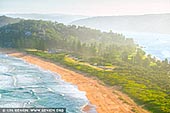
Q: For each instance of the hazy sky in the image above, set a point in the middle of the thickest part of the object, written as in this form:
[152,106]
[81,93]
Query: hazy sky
[86,7]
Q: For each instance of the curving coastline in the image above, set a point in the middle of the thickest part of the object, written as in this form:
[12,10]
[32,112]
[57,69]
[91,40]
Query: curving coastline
[103,97]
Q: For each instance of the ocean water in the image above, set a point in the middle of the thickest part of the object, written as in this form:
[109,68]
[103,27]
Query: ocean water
[25,85]
[157,45]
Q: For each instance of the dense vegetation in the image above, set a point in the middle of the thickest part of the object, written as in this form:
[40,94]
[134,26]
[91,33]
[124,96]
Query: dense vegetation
[81,41]
[7,20]
[110,57]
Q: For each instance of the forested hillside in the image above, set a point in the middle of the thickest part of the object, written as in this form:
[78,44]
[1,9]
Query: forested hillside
[112,58]
[51,36]
[7,20]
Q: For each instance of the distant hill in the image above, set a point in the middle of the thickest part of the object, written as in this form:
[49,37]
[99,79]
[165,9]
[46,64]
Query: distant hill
[7,20]
[62,18]
[154,23]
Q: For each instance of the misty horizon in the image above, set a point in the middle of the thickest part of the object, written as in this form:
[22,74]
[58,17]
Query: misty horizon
[85,7]
[27,13]
[94,56]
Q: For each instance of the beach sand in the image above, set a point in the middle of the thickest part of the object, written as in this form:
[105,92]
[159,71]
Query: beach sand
[106,99]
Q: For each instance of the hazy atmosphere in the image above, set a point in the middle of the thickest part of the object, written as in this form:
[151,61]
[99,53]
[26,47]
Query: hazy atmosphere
[86,7]
[85,56]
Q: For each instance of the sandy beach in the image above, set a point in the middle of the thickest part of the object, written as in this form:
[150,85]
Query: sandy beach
[106,99]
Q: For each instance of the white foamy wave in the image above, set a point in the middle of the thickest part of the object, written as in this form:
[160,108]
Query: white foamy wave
[14,81]
[40,90]
[5,81]
[3,69]
[24,80]
[51,90]
[26,85]
[69,90]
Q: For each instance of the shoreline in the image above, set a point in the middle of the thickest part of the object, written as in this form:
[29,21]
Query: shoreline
[106,100]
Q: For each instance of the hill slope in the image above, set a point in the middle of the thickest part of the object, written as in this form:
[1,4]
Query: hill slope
[156,23]
[7,20]
[62,18]
[50,32]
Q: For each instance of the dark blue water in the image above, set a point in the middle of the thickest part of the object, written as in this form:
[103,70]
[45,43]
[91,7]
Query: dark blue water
[25,85]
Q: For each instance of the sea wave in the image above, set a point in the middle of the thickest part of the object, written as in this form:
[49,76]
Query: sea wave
[27,85]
